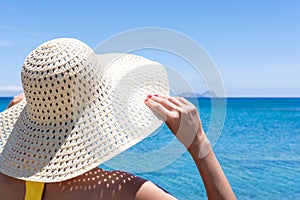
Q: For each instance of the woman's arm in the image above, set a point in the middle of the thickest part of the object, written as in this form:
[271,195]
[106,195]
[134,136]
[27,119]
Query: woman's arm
[183,119]
[16,100]
[150,191]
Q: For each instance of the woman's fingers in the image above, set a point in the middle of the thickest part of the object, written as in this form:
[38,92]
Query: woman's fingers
[178,101]
[183,100]
[158,109]
[165,106]
[165,101]
[174,100]
[16,100]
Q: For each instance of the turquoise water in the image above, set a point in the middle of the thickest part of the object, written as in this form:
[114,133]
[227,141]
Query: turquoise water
[259,150]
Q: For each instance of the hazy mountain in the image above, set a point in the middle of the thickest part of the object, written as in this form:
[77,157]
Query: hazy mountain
[204,94]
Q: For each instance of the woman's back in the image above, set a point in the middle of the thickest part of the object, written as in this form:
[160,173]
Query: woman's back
[95,184]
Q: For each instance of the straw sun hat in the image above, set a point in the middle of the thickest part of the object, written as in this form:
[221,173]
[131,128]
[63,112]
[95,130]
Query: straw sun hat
[81,109]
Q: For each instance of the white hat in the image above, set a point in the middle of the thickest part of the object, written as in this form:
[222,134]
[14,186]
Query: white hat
[81,109]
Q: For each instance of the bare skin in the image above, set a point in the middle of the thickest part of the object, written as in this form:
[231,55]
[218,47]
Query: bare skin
[114,185]
[183,119]
[16,99]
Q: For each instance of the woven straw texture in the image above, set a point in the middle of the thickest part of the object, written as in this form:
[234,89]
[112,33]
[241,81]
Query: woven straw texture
[81,109]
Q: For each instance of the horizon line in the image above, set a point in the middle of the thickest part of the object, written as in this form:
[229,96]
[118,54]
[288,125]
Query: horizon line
[248,97]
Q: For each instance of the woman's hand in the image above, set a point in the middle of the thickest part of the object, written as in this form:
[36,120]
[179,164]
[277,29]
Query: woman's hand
[17,99]
[183,119]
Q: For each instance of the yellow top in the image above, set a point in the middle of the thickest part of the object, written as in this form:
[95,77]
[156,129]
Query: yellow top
[34,190]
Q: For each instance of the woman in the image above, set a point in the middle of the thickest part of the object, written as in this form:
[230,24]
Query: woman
[43,144]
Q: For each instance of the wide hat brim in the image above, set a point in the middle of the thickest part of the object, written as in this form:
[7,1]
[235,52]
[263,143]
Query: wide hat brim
[108,126]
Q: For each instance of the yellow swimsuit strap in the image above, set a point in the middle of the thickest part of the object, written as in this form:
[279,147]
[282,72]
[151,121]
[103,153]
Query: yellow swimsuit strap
[34,190]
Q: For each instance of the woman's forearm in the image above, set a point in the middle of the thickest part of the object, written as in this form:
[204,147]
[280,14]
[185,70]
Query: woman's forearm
[214,179]
[183,120]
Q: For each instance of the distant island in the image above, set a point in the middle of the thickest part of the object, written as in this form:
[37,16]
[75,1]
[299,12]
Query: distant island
[205,94]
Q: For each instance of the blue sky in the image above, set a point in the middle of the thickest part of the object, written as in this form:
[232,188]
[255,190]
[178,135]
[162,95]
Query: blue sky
[254,44]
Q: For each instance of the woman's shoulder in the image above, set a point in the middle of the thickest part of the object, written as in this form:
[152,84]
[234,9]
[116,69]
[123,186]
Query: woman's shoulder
[98,184]
[9,186]
[139,188]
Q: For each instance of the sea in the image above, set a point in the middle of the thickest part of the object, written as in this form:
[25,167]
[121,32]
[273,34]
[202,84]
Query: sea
[258,149]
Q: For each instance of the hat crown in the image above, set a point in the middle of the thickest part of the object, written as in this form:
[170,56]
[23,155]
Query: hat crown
[59,77]
[45,139]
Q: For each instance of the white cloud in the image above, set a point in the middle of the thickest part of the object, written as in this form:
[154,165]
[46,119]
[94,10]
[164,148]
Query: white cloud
[5,43]
[6,28]
[10,88]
